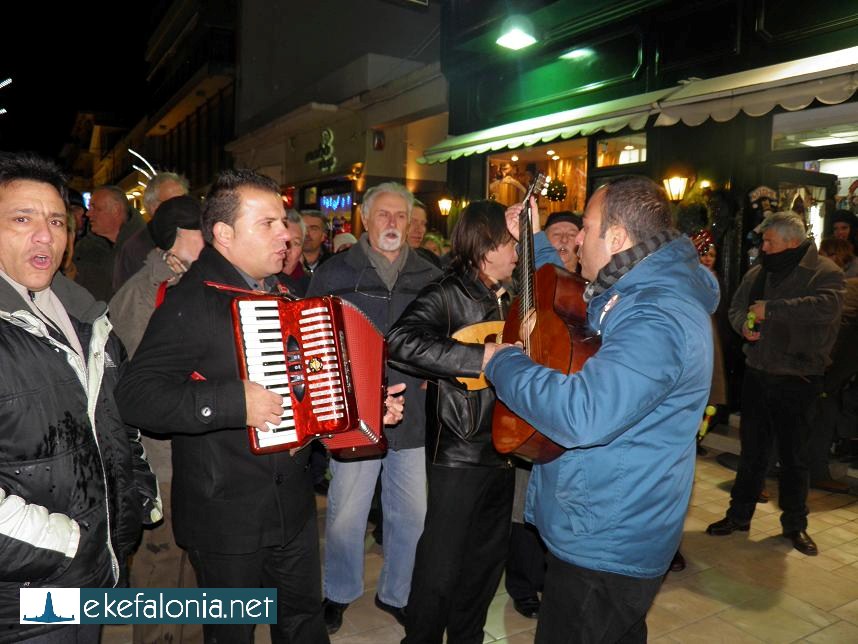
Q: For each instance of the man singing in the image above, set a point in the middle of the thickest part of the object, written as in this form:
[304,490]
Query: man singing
[247,521]
[611,507]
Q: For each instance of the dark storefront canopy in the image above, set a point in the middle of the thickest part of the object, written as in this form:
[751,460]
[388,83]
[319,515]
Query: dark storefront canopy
[830,78]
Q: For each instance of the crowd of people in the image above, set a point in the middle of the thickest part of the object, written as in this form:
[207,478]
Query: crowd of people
[134,414]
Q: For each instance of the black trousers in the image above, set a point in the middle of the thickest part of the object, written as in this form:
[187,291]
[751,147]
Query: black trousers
[460,556]
[589,606]
[774,407]
[294,570]
[525,563]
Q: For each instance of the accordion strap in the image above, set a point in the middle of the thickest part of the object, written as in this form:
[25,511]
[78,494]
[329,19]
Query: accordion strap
[282,291]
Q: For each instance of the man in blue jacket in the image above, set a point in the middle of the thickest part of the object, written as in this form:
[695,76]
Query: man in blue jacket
[611,508]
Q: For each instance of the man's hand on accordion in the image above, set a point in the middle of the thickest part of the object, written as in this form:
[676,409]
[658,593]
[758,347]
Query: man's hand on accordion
[262,406]
[394,404]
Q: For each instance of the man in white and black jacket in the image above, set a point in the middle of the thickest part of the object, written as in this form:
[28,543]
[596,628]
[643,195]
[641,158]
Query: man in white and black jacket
[74,486]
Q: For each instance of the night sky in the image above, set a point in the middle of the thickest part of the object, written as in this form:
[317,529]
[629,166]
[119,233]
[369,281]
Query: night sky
[69,57]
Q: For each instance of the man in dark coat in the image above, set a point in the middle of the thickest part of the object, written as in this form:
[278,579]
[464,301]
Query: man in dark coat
[380,275]
[112,222]
[787,309]
[246,520]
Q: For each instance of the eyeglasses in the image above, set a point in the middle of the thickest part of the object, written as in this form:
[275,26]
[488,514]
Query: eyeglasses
[372,292]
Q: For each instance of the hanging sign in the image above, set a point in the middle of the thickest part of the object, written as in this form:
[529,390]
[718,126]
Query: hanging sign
[324,154]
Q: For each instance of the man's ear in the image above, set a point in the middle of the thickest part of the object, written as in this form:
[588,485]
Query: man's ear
[619,238]
[223,234]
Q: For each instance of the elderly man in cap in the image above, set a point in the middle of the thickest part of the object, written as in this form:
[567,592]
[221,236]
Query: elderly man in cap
[175,229]
[159,562]
[561,228]
[163,187]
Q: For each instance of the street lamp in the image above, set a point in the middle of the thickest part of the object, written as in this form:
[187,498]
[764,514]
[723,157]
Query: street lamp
[675,187]
[444,205]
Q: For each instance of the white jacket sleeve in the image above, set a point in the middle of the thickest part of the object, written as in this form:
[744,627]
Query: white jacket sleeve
[34,543]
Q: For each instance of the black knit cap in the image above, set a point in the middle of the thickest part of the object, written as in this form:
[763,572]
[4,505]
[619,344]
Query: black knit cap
[178,212]
[564,215]
[846,217]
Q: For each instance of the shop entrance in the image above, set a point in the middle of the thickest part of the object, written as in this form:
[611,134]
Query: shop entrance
[808,193]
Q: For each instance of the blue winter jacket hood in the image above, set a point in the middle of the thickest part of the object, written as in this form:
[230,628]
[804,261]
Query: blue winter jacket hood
[616,500]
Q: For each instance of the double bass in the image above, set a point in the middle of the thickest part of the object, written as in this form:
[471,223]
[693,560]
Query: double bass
[549,318]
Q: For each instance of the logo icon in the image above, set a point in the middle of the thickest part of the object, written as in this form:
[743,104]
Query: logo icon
[49,605]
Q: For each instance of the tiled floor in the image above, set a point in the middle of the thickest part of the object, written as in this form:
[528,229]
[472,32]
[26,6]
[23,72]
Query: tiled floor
[748,587]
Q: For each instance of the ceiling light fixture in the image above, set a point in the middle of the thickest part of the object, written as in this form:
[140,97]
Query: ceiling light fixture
[516,33]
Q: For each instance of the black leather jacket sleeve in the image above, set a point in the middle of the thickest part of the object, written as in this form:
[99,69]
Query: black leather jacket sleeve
[419,342]
[458,420]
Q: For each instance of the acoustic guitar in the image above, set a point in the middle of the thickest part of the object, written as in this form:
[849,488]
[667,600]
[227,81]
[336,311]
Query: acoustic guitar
[479,333]
[554,334]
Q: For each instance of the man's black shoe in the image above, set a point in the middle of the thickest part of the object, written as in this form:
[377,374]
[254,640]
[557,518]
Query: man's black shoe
[528,607]
[333,615]
[678,563]
[726,526]
[802,542]
[398,613]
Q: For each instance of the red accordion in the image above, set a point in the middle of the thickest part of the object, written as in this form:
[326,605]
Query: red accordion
[326,359]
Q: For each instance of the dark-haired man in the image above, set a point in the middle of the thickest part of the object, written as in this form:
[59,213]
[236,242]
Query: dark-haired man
[611,508]
[74,487]
[246,520]
[315,235]
[461,552]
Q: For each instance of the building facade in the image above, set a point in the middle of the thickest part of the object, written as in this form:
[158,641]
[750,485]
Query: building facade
[730,95]
[332,101]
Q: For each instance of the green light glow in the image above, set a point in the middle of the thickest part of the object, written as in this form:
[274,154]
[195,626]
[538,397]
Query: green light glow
[578,54]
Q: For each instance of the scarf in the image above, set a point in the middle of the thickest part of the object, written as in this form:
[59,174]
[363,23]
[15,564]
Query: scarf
[388,271]
[779,266]
[626,260]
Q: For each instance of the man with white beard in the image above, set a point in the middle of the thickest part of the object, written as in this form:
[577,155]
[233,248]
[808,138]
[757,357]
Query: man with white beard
[380,275]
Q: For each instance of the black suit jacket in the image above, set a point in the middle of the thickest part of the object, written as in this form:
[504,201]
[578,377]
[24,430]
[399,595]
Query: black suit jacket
[225,499]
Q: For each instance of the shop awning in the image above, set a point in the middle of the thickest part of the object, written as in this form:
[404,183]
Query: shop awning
[831,78]
[611,116]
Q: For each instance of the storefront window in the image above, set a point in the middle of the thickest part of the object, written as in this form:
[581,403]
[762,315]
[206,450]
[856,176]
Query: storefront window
[621,150]
[815,128]
[564,162]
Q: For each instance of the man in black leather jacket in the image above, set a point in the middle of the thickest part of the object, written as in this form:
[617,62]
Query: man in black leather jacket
[461,553]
